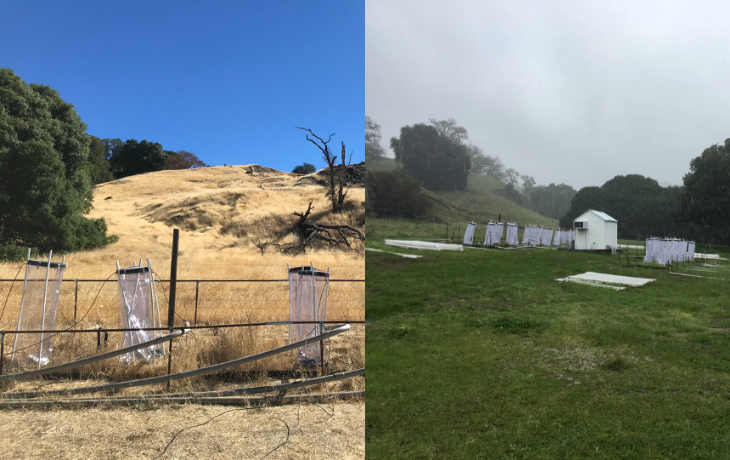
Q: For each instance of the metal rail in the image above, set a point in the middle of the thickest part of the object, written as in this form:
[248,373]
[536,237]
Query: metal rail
[211,326]
[91,359]
[208,281]
[131,401]
[180,375]
[258,390]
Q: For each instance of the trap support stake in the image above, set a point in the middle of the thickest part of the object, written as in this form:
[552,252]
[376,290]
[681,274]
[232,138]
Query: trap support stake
[173,279]
[76,302]
[2,350]
[173,288]
[197,287]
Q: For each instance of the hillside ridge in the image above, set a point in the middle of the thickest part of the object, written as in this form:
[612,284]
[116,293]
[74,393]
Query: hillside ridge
[481,202]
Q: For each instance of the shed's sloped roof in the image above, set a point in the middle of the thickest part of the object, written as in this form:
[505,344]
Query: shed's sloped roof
[604,216]
[600,214]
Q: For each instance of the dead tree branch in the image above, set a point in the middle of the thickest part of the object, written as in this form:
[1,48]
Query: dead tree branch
[333,235]
[335,187]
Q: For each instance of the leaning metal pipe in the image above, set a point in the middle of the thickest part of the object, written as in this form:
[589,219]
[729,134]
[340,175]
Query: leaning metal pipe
[254,390]
[135,401]
[180,375]
[91,359]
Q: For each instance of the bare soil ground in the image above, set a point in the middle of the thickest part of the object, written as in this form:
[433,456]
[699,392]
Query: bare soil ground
[131,433]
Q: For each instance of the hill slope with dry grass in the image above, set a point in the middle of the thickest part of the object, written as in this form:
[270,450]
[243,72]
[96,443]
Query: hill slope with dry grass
[223,213]
[218,208]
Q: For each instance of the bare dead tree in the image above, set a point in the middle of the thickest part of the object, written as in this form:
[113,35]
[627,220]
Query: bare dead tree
[336,185]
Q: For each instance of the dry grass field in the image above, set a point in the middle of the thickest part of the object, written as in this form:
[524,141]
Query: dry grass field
[224,214]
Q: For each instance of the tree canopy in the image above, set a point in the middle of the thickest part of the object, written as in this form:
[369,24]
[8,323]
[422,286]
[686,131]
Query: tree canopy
[394,194]
[99,168]
[182,160]
[551,200]
[304,168]
[706,196]
[642,206]
[45,183]
[134,157]
[373,149]
[435,160]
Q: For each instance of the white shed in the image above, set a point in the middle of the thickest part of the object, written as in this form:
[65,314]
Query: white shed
[595,230]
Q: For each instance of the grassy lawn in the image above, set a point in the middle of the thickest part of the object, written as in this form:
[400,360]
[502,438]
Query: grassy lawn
[481,354]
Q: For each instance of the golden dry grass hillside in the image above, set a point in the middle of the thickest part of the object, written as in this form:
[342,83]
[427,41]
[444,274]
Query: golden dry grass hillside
[223,213]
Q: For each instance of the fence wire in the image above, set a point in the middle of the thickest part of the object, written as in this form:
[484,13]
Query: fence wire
[200,302]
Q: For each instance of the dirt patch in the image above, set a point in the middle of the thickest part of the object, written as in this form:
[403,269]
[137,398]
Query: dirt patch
[581,359]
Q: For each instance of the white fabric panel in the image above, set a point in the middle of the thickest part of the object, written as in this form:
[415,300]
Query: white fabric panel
[494,234]
[665,252]
[538,236]
[512,239]
[498,233]
[547,236]
[691,250]
[556,240]
[676,250]
[526,235]
[469,233]
[650,246]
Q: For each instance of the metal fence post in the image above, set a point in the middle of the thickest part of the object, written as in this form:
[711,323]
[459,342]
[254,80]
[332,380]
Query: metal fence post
[76,302]
[2,351]
[197,286]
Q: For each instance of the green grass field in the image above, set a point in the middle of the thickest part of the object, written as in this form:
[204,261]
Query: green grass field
[481,354]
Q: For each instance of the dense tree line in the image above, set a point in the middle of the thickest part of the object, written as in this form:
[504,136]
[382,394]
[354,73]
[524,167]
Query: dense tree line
[642,206]
[551,200]
[705,199]
[394,194]
[439,156]
[696,210]
[46,165]
[123,159]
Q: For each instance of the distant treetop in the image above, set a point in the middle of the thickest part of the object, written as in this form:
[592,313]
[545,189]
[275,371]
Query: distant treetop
[304,168]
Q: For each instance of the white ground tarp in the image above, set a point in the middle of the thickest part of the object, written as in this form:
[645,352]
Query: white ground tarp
[700,255]
[406,256]
[512,239]
[469,233]
[424,245]
[610,279]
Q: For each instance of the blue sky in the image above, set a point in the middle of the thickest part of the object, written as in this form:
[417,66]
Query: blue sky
[228,81]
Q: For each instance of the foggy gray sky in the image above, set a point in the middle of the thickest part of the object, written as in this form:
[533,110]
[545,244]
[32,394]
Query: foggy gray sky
[571,92]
